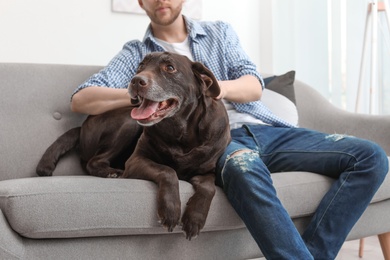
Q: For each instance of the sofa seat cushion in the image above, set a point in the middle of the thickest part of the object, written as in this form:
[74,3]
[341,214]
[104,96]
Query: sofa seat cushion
[85,206]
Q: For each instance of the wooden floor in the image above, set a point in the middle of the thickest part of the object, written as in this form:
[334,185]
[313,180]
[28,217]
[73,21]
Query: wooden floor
[372,250]
[350,250]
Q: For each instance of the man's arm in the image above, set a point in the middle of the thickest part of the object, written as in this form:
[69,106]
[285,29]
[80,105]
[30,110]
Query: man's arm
[97,100]
[244,89]
[107,89]
[243,83]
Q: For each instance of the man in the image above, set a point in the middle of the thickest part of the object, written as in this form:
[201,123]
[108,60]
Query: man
[261,141]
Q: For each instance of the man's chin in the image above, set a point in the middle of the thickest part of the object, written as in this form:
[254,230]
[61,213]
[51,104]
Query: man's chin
[165,17]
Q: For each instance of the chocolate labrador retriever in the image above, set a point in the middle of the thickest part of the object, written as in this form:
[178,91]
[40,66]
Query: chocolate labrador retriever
[181,131]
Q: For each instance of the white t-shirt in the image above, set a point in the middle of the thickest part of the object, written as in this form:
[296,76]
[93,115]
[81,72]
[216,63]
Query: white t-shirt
[182,48]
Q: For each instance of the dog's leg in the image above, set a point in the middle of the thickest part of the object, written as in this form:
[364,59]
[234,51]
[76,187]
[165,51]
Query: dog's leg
[168,197]
[114,148]
[198,205]
[168,200]
[99,166]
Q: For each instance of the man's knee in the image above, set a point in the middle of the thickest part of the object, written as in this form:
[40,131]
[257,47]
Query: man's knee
[240,161]
[374,159]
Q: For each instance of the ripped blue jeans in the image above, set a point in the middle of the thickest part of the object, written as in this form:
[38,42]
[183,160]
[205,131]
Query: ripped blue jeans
[358,167]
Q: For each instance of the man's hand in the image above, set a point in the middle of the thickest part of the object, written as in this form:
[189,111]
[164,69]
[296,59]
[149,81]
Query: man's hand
[222,94]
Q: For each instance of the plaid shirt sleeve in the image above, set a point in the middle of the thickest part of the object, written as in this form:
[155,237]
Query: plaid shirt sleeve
[260,111]
[120,70]
[239,63]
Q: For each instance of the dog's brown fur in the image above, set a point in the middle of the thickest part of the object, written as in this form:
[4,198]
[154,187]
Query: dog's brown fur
[184,132]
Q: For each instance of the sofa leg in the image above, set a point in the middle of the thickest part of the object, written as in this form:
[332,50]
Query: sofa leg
[361,247]
[384,240]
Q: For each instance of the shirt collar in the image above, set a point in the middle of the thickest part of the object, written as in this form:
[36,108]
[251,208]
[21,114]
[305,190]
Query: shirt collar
[194,30]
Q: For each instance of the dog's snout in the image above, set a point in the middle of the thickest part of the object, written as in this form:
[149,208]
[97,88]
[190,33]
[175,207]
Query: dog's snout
[139,81]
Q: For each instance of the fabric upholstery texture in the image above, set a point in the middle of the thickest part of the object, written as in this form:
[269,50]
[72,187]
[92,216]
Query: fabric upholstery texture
[85,206]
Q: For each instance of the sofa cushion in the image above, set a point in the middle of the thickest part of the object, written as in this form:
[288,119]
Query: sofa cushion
[42,113]
[279,96]
[85,206]
[280,106]
[282,84]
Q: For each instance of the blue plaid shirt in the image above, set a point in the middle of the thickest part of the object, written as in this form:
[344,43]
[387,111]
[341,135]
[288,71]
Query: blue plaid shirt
[215,44]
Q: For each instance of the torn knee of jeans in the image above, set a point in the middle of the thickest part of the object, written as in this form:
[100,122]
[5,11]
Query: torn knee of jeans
[240,160]
[335,137]
[243,158]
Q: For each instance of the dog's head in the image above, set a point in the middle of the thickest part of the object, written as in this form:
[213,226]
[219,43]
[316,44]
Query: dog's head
[165,83]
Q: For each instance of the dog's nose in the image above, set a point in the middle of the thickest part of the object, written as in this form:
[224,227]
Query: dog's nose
[139,81]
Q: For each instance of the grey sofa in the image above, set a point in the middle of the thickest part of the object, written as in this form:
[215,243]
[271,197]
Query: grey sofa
[75,216]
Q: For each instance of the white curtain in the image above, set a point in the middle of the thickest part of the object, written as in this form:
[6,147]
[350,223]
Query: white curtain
[322,40]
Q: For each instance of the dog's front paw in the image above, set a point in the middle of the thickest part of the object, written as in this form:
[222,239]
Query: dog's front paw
[192,222]
[169,213]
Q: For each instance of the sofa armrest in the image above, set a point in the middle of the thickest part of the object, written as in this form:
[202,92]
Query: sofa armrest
[11,244]
[317,113]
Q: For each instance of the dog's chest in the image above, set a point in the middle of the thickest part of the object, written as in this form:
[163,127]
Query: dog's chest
[186,161]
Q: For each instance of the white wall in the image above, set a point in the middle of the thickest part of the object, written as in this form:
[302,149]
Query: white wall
[87,32]
[66,32]
[245,17]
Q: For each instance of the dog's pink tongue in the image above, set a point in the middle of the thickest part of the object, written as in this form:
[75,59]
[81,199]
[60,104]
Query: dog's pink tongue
[144,111]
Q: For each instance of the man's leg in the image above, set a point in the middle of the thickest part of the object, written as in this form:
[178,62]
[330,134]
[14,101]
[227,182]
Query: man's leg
[358,166]
[249,188]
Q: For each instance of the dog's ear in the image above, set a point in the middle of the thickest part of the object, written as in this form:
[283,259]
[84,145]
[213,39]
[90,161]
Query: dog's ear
[207,79]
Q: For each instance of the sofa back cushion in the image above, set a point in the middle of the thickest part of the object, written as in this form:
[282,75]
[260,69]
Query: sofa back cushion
[35,110]
[279,96]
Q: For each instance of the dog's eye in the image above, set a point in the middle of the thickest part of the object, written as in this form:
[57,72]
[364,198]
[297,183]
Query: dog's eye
[140,66]
[170,68]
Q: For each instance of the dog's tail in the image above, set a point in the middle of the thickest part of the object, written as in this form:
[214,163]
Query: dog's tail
[62,145]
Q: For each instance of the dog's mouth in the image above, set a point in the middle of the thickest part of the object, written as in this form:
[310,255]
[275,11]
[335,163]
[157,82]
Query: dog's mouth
[149,111]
